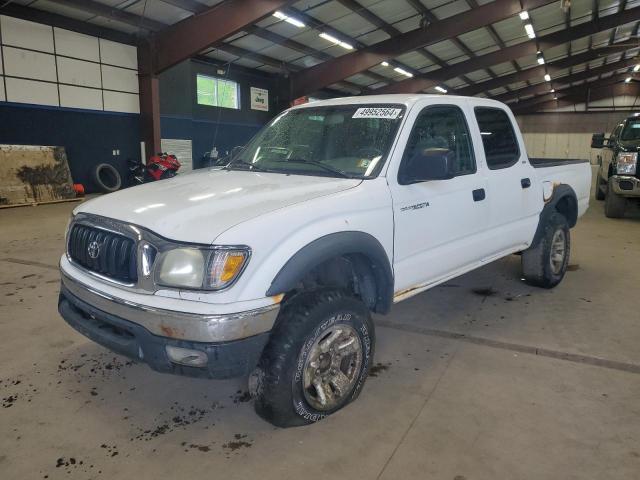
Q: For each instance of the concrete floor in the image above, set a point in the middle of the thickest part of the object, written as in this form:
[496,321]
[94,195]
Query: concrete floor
[507,382]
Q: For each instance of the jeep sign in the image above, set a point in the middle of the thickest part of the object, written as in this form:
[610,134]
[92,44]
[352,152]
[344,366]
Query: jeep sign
[259,99]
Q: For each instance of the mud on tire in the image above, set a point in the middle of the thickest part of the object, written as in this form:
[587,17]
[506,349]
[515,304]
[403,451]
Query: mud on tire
[538,266]
[306,321]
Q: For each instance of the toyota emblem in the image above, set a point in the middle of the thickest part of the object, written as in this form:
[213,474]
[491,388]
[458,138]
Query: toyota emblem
[93,249]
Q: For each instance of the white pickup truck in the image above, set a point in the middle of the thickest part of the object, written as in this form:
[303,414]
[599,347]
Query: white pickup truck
[271,266]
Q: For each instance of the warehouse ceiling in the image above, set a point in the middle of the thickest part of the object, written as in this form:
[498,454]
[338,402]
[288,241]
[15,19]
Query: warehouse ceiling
[460,51]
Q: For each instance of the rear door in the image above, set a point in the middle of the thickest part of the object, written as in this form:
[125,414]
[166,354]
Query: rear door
[437,222]
[514,195]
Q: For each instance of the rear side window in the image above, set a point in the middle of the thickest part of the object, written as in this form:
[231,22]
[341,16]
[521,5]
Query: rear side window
[498,138]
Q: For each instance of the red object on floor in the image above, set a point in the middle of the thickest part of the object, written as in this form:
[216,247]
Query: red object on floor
[79,189]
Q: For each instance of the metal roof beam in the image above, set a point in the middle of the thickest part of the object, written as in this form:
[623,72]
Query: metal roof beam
[422,82]
[539,71]
[192,35]
[599,90]
[544,88]
[106,11]
[350,64]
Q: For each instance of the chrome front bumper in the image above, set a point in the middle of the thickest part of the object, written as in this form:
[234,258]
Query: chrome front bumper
[178,325]
[625,185]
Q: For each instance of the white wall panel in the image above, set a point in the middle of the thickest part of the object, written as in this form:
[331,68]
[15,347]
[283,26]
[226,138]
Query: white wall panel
[79,97]
[118,54]
[76,45]
[78,72]
[21,33]
[28,64]
[80,67]
[114,78]
[121,102]
[31,91]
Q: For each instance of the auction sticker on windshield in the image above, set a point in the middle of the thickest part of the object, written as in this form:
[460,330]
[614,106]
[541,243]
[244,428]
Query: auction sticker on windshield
[373,112]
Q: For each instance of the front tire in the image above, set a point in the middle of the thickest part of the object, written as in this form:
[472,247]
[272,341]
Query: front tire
[545,264]
[317,359]
[614,204]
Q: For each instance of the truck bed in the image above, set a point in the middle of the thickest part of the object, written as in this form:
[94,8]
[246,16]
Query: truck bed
[554,162]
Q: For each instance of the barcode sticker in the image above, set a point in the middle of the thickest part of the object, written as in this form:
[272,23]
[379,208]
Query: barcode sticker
[373,112]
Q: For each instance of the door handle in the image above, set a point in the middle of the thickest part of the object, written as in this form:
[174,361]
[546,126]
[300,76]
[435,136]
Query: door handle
[525,182]
[479,195]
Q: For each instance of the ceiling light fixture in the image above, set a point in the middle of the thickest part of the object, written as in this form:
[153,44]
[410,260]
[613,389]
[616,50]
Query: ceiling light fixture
[440,89]
[403,72]
[524,15]
[636,68]
[333,39]
[529,29]
[540,59]
[385,64]
[553,90]
[288,19]
[627,80]
[547,77]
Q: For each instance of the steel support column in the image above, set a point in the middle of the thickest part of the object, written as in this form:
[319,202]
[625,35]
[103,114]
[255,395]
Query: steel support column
[149,96]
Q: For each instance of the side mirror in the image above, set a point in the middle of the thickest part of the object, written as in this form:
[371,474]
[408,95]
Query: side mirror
[428,164]
[597,140]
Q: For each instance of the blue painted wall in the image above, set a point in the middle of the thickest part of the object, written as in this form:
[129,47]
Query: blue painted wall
[88,136]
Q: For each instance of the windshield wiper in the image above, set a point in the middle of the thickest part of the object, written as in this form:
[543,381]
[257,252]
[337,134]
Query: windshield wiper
[252,166]
[328,168]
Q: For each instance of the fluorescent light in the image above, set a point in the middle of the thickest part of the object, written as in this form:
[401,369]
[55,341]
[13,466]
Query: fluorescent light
[627,80]
[636,68]
[547,77]
[385,64]
[288,19]
[524,15]
[403,72]
[333,39]
[441,90]
[529,29]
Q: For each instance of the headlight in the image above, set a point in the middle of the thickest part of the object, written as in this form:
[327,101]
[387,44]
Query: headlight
[182,267]
[627,163]
[201,268]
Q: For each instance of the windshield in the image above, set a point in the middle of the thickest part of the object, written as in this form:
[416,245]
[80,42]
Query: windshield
[350,141]
[631,130]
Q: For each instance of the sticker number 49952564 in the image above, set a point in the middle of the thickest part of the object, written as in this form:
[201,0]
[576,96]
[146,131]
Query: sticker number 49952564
[376,112]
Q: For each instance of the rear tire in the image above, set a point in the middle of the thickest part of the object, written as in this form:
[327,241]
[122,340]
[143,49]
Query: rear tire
[614,204]
[545,264]
[317,359]
[599,186]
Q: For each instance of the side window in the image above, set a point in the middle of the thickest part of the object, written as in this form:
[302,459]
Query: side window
[498,138]
[442,127]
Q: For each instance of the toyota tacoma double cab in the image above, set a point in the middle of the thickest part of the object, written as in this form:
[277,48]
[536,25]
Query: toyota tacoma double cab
[270,267]
[618,177]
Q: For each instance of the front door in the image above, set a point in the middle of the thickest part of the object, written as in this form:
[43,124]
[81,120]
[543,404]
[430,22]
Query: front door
[437,221]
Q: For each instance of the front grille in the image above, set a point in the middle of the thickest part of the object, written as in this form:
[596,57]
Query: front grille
[114,257]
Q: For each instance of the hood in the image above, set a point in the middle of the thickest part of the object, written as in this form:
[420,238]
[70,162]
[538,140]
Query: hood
[199,206]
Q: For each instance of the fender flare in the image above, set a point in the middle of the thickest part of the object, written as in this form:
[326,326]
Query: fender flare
[334,245]
[560,192]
